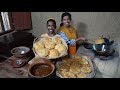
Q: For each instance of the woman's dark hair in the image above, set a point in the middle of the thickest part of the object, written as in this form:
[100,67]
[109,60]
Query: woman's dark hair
[51,20]
[65,14]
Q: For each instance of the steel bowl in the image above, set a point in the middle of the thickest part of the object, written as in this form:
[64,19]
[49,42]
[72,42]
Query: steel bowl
[102,49]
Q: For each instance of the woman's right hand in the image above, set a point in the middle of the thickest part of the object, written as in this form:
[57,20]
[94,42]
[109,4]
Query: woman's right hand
[80,39]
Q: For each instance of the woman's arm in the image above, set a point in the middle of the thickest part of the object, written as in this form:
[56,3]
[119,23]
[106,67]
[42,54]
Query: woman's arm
[67,40]
[80,39]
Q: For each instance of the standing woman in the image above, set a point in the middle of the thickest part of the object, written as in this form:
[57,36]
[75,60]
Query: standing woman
[68,33]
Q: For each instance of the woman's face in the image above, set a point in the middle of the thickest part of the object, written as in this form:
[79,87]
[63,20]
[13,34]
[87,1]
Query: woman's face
[66,21]
[51,27]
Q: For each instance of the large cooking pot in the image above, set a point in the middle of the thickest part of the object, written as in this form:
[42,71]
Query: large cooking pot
[108,42]
[100,49]
[102,46]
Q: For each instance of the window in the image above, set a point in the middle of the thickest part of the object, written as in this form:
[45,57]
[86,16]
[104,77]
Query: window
[0,28]
[10,21]
[5,22]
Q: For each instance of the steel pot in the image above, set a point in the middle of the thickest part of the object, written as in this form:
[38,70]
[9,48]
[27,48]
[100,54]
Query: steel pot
[100,49]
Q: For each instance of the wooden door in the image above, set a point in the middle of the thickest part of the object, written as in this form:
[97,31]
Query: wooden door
[21,20]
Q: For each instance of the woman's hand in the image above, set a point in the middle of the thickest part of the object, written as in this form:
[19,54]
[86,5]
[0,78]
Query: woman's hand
[80,39]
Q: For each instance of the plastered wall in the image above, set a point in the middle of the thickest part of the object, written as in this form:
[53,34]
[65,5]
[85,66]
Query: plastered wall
[92,25]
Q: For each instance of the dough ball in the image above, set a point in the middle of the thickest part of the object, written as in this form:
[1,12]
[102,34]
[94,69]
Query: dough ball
[69,75]
[99,41]
[64,66]
[57,40]
[86,69]
[46,39]
[53,53]
[38,45]
[75,68]
[84,61]
[81,75]
[42,52]
[49,45]
[61,48]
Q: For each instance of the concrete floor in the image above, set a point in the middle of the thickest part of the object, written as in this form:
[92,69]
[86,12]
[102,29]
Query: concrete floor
[105,68]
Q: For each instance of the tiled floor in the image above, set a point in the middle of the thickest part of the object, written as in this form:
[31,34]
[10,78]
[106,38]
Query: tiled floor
[105,68]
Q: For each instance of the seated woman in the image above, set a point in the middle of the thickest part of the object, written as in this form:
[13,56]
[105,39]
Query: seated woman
[68,32]
[51,41]
[51,26]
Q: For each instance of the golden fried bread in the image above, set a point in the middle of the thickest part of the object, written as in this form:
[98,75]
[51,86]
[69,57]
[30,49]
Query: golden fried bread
[75,67]
[46,39]
[74,70]
[44,35]
[69,62]
[69,75]
[86,69]
[84,61]
[38,45]
[53,53]
[64,66]
[62,72]
[61,48]
[42,52]
[99,41]
[76,63]
[81,75]
[57,40]
[49,45]
[77,56]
